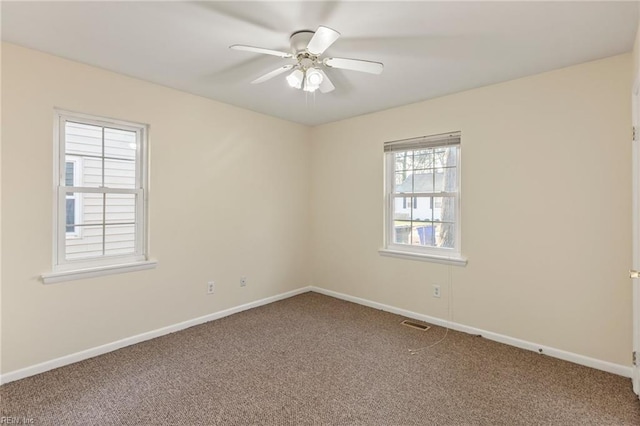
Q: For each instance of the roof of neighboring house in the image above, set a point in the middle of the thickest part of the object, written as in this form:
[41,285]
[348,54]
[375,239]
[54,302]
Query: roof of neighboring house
[422,182]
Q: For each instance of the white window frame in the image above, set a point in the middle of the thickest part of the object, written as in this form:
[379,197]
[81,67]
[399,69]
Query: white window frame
[433,254]
[65,270]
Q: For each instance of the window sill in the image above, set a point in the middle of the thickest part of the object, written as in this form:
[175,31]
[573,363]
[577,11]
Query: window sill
[456,261]
[78,274]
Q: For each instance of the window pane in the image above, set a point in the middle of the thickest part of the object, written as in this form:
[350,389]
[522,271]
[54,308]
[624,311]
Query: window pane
[445,157]
[121,208]
[403,182]
[402,208]
[423,181]
[71,214]
[402,232]
[91,209]
[68,174]
[403,160]
[91,172]
[120,174]
[119,144]
[445,235]
[120,232]
[447,210]
[120,158]
[422,234]
[446,179]
[422,159]
[83,139]
[421,208]
[120,239]
[83,209]
[88,245]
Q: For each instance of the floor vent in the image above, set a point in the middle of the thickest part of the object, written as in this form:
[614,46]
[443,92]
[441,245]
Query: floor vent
[415,325]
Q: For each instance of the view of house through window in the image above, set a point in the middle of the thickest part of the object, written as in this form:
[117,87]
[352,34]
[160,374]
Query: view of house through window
[101,190]
[423,194]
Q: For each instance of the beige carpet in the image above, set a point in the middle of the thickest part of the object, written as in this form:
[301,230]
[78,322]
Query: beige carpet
[317,360]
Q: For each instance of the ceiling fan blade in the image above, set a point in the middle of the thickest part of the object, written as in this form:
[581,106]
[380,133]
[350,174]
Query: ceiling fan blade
[261,50]
[321,40]
[326,86]
[354,65]
[272,74]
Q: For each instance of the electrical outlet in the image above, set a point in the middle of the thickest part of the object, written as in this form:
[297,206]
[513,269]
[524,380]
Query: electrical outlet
[436,290]
[211,286]
[243,281]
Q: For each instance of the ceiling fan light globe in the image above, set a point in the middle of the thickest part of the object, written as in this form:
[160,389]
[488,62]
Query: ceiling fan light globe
[295,79]
[314,78]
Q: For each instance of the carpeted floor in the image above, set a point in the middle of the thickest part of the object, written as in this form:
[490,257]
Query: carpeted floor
[312,359]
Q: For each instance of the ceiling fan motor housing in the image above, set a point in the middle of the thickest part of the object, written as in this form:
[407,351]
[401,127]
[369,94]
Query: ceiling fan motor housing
[299,41]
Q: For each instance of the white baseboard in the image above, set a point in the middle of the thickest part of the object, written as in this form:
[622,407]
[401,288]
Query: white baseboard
[618,369]
[109,347]
[609,367]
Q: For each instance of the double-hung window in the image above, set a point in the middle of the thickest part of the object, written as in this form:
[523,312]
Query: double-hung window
[100,197]
[422,190]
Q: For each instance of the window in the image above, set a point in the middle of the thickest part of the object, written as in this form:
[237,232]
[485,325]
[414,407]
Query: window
[422,188]
[100,185]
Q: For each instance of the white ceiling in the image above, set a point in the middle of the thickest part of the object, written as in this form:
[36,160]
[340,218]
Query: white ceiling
[429,49]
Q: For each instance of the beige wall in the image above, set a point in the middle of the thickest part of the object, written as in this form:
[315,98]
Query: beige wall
[0,214]
[636,55]
[546,209]
[636,51]
[229,192]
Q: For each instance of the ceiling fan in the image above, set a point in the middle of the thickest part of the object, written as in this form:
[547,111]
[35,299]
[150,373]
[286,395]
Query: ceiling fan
[307,48]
